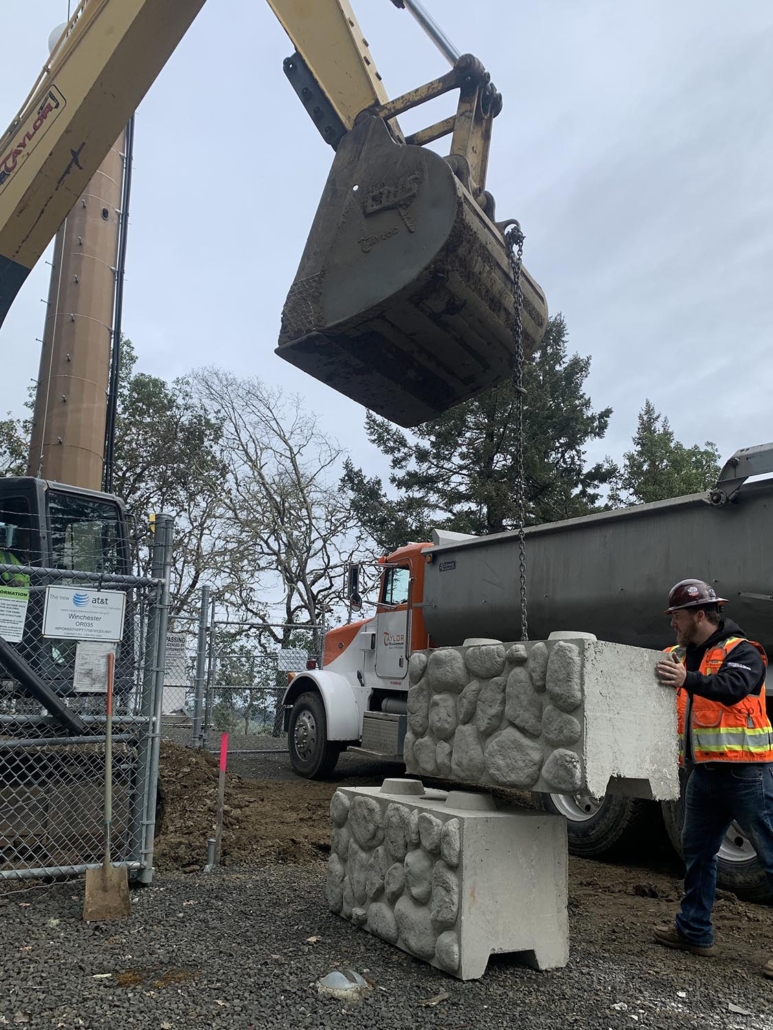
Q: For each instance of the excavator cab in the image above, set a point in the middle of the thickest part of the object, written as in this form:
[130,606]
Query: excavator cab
[51,526]
[404,299]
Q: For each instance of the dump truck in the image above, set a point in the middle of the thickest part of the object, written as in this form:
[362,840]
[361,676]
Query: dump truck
[607,574]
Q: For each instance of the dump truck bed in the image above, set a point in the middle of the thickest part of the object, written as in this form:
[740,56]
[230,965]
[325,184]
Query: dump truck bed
[610,573]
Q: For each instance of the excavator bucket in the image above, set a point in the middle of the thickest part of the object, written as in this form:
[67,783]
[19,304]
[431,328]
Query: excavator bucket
[403,299]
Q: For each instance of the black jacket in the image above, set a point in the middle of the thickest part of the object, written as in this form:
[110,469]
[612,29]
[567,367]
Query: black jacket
[741,674]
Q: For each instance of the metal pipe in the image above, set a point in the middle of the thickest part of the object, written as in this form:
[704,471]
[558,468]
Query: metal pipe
[433,30]
[394,706]
[211,667]
[432,132]
[10,745]
[201,667]
[210,866]
[420,95]
[89,720]
[166,528]
[31,683]
[59,870]
[109,757]
[255,751]
[120,269]
[107,579]
[144,751]
[144,820]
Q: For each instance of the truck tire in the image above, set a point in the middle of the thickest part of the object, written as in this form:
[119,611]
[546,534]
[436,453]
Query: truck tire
[312,755]
[738,869]
[596,827]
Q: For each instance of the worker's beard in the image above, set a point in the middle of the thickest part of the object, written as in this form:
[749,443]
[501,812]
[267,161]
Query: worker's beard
[686,635]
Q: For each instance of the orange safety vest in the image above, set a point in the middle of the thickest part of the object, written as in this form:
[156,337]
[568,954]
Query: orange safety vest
[725,733]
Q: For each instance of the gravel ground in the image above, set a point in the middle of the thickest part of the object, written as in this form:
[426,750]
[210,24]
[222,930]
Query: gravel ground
[236,951]
[244,948]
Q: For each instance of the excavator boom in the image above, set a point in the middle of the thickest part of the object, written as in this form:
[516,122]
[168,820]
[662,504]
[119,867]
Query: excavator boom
[109,56]
[406,297]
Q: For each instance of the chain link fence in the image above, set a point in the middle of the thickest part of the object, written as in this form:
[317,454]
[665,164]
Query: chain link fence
[57,626]
[226,676]
[179,693]
[248,679]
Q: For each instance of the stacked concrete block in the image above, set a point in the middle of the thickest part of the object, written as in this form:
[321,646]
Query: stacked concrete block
[449,877]
[558,716]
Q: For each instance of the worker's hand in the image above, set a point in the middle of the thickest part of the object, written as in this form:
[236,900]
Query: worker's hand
[671,674]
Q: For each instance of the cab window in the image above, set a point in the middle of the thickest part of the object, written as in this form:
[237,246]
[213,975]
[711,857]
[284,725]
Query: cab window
[396,586]
[85,534]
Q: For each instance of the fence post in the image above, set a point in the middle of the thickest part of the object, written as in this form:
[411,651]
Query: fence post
[211,669]
[153,686]
[201,668]
[148,643]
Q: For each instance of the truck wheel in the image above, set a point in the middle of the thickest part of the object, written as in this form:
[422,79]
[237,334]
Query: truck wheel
[312,755]
[738,869]
[595,827]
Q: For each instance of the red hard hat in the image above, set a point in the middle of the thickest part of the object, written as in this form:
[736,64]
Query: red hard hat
[692,593]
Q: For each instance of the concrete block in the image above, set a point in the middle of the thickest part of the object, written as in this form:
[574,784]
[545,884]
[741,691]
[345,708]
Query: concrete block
[567,715]
[458,876]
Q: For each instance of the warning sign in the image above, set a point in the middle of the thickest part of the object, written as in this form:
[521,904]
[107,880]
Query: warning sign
[13,612]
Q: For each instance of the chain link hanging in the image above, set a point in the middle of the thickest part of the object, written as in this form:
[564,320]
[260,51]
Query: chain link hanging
[514,239]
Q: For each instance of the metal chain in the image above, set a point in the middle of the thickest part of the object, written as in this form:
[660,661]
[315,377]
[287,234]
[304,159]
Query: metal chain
[514,239]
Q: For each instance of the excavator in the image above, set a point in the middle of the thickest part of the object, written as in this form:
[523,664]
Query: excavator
[410,296]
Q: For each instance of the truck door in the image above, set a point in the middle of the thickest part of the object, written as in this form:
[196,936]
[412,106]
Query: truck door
[392,624]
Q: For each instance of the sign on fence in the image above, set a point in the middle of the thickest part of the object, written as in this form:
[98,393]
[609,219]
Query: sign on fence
[176,663]
[80,613]
[13,612]
[90,674]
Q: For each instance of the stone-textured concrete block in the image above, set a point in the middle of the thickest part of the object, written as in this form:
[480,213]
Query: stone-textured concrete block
[561,716]
[472,879]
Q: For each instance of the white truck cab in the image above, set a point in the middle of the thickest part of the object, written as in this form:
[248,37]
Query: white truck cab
[357,699]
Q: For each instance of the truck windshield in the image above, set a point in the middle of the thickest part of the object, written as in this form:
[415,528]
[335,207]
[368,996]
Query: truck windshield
[85,534]
[396,586]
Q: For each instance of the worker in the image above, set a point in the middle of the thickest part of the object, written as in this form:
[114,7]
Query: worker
[8,557]
[726,747]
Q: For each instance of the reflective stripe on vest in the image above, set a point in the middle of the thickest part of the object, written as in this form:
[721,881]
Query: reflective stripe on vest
[725,733]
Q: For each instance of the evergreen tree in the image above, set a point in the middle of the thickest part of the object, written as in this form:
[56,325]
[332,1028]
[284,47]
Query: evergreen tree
[659,466]
[168,458]
[459,471]
[14,446]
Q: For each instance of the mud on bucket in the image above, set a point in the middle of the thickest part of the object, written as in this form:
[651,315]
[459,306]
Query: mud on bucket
[403,299]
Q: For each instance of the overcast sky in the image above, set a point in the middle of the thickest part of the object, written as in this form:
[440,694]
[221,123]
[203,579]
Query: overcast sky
[635,147]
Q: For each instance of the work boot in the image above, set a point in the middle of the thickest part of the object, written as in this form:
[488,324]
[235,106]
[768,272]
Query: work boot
[671,938]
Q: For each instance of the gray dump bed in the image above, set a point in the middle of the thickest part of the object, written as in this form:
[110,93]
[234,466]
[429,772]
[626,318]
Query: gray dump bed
[609,574]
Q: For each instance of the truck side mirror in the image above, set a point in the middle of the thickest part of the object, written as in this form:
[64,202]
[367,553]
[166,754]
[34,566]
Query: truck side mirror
[353,587]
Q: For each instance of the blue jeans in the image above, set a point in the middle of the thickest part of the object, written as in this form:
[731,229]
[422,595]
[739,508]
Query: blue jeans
[716,795]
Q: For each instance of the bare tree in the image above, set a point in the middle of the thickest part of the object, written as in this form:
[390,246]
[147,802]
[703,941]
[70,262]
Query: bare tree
[288,529]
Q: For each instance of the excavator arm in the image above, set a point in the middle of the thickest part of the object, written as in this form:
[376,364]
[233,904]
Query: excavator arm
[109,56]
[409,298]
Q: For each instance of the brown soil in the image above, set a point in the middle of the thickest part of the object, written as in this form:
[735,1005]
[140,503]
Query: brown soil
[264,820]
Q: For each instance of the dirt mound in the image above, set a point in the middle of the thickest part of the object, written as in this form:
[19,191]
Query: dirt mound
[264,821]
